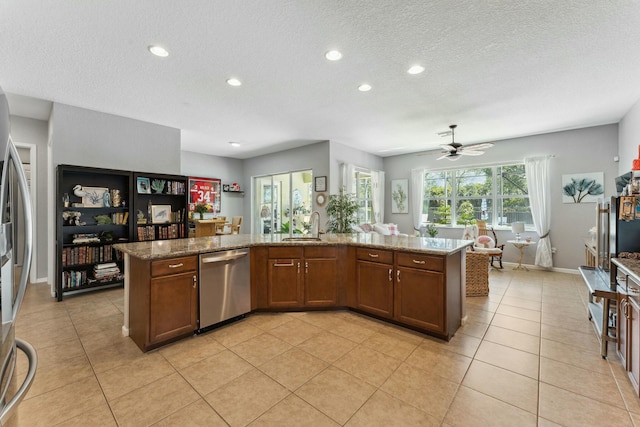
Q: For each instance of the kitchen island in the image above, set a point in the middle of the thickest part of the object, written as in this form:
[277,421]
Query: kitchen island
[412,281]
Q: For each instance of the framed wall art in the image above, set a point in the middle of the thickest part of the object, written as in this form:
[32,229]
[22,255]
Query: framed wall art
[399,196]
[320,184]
[205,190]
[582,187]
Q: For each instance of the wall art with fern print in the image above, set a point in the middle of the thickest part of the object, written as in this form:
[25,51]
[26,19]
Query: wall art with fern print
[582,187]
[400,196]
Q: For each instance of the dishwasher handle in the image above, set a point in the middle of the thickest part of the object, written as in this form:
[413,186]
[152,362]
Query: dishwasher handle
[222,258]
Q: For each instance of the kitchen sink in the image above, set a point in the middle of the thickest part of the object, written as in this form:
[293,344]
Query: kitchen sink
[301,239]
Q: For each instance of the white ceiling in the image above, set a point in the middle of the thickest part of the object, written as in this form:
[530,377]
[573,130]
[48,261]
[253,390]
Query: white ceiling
[499,69]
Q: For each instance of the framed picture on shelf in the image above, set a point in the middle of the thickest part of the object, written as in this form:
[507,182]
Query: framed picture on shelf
[160,214]
[144,186]
[320,184]
[93,197]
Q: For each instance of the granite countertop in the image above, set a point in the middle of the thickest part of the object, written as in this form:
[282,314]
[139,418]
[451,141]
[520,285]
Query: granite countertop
[631,265]
[192,246]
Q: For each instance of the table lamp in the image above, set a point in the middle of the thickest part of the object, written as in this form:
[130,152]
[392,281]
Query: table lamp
[517,228]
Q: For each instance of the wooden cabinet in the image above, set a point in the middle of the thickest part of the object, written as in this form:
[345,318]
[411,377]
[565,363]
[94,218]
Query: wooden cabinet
[374,281]
[163,300]
[628,323]
[320,276]
[284,282]
[88,223]
[296,277]
[419,297]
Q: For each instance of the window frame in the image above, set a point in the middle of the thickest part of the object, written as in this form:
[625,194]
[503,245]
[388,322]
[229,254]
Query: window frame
[495,199]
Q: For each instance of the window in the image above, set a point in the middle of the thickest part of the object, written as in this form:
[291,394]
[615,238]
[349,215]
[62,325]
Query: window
[363,193]
[496,194]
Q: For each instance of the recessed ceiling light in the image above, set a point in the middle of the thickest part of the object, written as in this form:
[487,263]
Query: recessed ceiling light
[415,69]
[235,144]
[234,82]
[333,55]
[364,87]
[158,51]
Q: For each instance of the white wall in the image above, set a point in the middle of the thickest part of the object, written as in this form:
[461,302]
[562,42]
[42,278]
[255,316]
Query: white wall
[629,139]
[228,170]
[32,131]
[89,138]
[576,151]
[344,154]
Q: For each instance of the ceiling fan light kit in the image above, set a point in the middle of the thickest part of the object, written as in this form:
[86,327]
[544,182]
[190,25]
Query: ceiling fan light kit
[454,150]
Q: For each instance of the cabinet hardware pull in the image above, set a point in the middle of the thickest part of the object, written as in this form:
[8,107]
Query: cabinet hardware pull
[398,276]
[634,290]
[306,267]
[195,281]
[298,267]
[278,264]
[391,274]
[415,261]
[374,255]
[176,265]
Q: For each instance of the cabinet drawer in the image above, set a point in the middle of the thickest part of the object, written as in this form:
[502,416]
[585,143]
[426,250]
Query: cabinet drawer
[286,252]
[425,262]
[320,252]
[375,255]
[173,266]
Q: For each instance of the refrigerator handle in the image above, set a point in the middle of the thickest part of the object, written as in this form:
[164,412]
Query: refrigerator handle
[32,356]
[28,227]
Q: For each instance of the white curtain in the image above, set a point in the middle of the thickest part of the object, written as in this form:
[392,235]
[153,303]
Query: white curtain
[417,194]
[346,171]
[539,185]
[377,195]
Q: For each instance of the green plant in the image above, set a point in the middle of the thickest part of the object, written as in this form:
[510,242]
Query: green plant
[201,208]
[431,230]
[342,209]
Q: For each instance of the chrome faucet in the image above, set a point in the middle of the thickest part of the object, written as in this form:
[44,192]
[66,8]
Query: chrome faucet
[315,224]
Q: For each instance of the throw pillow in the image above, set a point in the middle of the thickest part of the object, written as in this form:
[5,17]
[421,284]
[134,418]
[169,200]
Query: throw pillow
[381,229]
[485,242]
[367,228]
[393,229]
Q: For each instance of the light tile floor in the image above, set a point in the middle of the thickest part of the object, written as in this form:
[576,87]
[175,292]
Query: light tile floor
[527,356]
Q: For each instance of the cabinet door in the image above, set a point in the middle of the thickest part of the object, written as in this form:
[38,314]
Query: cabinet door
[622,329]
[321,279]
[420,299]
[375,288]
[633,343]
[173,309]
[284,283]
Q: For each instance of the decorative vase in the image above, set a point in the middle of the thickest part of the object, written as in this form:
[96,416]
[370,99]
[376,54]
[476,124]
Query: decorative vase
[201,215]
[116,198]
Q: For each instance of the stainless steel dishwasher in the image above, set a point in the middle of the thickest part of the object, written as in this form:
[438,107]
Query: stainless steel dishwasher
[225,288]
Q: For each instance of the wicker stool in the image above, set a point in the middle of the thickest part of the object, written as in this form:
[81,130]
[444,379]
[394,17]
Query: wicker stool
[477,274]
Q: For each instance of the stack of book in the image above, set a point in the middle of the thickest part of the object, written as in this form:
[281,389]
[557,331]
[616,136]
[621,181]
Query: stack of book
[106,272]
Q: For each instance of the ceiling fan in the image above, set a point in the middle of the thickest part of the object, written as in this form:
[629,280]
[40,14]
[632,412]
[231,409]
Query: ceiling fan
[454,150]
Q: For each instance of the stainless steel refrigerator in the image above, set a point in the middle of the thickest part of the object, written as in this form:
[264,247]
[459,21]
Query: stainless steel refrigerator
[16,246]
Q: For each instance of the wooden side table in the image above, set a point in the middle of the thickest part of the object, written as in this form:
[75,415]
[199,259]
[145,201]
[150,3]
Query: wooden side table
[520,244]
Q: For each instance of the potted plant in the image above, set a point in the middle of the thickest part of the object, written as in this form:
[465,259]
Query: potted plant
[341,209]
[431,229]
[201,208]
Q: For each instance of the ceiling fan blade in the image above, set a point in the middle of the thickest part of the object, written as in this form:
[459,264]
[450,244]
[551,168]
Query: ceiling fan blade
[470,152]
[447,147]
[481,146]
[444,156]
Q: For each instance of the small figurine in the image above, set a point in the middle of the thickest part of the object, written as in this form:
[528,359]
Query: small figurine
[106,199]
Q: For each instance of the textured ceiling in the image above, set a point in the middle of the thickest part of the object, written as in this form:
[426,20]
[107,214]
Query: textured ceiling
[499,69]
